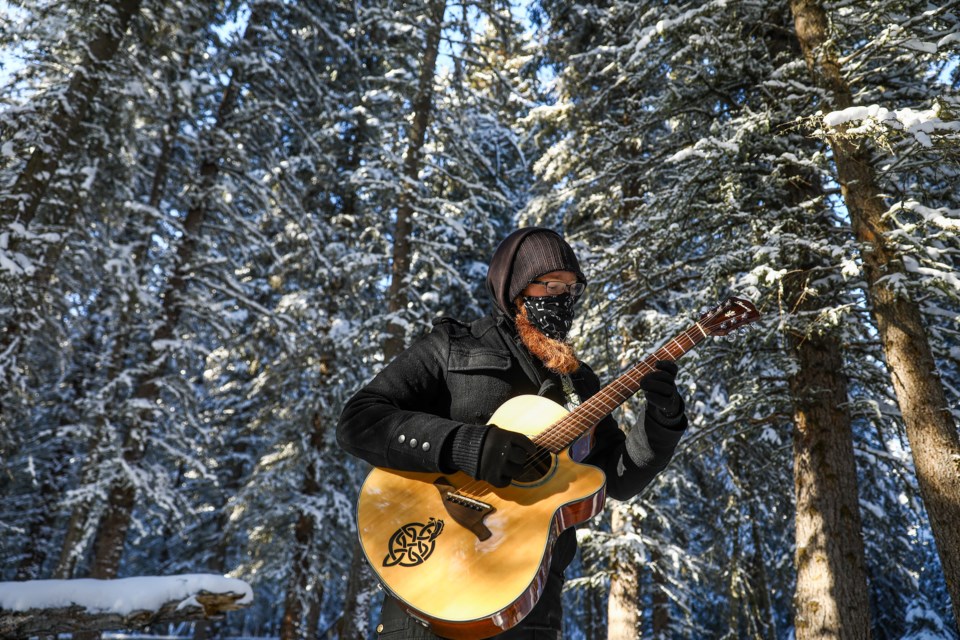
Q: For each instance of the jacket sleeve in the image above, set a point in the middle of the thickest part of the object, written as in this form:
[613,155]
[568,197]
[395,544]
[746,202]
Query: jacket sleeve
[397,420]
[632,460]
[631,466]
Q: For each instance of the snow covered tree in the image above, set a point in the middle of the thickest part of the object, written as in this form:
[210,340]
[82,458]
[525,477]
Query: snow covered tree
[446,173]
[681,168]
[931,426]
[42,123]
[69,109]
[209,240]
[85,277]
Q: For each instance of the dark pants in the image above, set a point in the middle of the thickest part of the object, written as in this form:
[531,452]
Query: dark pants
[395,624]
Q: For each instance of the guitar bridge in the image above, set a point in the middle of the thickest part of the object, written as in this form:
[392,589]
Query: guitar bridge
[467,512]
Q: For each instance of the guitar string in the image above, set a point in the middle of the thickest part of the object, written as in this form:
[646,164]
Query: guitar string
[559,433]
[566,430]
[554,434]
[563,432]
[562,437]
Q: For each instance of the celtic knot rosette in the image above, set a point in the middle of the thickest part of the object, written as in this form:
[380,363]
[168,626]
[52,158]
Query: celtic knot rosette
[412,544]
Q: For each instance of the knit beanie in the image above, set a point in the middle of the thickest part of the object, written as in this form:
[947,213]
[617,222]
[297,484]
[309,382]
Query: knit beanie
[541,252]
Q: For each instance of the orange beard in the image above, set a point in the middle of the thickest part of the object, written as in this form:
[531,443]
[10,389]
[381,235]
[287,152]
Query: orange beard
[557,356]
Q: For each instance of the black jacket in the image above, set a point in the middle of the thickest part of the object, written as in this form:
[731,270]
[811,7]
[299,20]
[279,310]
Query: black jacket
[406,417]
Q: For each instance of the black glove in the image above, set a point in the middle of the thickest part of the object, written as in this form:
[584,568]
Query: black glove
[505,456]
[660,388]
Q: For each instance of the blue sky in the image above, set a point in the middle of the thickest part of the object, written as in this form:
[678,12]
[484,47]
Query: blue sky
[9,58]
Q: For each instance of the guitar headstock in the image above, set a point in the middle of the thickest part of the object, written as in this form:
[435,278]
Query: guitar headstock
[728,316]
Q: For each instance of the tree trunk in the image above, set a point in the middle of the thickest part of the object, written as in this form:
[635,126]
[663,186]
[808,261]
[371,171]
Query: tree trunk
[355,606]
[422,110]
[21,322]
[311,623]
[41,519]
[231,485]
[593,609]
[931,429]
[70,111]
[623,606]
[300,598]
[356,609]
[98,614]
[734,564]
[831,596]
[765,614]
[294,603]
[72,550]
[660,615]
[113,526]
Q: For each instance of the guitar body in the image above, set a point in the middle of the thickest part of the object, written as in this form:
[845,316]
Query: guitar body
[465,558]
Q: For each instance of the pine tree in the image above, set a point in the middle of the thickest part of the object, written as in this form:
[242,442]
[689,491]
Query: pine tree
[86,278]
[931,428]
[677,132]
[455,202]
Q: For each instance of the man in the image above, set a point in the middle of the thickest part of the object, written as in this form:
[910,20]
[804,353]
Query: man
[427,410]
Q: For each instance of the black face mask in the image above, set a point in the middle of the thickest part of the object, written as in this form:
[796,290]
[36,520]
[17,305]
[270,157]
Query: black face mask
[552,315]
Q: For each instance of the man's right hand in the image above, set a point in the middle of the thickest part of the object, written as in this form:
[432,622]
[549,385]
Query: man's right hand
[506,455]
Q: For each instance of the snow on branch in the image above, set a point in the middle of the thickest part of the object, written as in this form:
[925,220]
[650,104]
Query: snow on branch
[48,607]
[924,125]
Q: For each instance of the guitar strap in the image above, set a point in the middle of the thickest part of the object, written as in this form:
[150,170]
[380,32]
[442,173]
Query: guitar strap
[538,375]
[547,386]
[570,392]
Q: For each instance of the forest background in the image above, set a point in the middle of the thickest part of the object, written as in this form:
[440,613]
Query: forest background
[218,219]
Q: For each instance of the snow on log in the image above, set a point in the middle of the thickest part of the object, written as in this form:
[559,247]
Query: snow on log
[47,607]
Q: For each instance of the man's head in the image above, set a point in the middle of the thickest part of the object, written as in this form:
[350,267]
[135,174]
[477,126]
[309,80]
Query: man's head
[524,256]
[542,252]
[535,279]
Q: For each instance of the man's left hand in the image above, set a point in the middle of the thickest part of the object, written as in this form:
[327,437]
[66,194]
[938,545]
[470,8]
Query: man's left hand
[660,388]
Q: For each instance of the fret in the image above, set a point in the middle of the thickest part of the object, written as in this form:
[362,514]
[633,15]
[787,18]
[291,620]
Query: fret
[720,321]
[595,408]
[679,346]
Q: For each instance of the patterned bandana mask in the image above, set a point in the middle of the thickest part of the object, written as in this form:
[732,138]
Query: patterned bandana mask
[552,315]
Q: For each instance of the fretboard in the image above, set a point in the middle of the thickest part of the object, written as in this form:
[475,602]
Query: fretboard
[561,434]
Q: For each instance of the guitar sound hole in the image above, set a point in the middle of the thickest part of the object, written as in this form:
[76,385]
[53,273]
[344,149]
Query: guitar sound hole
[539,467]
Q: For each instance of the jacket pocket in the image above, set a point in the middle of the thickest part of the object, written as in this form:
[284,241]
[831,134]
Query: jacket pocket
[476,360]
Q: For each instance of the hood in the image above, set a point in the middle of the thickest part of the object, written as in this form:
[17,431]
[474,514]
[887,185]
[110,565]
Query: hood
[503,266]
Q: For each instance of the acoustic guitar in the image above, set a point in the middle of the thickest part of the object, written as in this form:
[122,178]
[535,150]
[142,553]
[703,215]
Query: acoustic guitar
[469,560]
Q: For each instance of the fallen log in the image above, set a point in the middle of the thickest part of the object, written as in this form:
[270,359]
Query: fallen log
[48,607]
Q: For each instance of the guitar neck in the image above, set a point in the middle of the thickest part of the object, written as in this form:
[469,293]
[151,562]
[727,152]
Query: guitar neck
[561,435]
